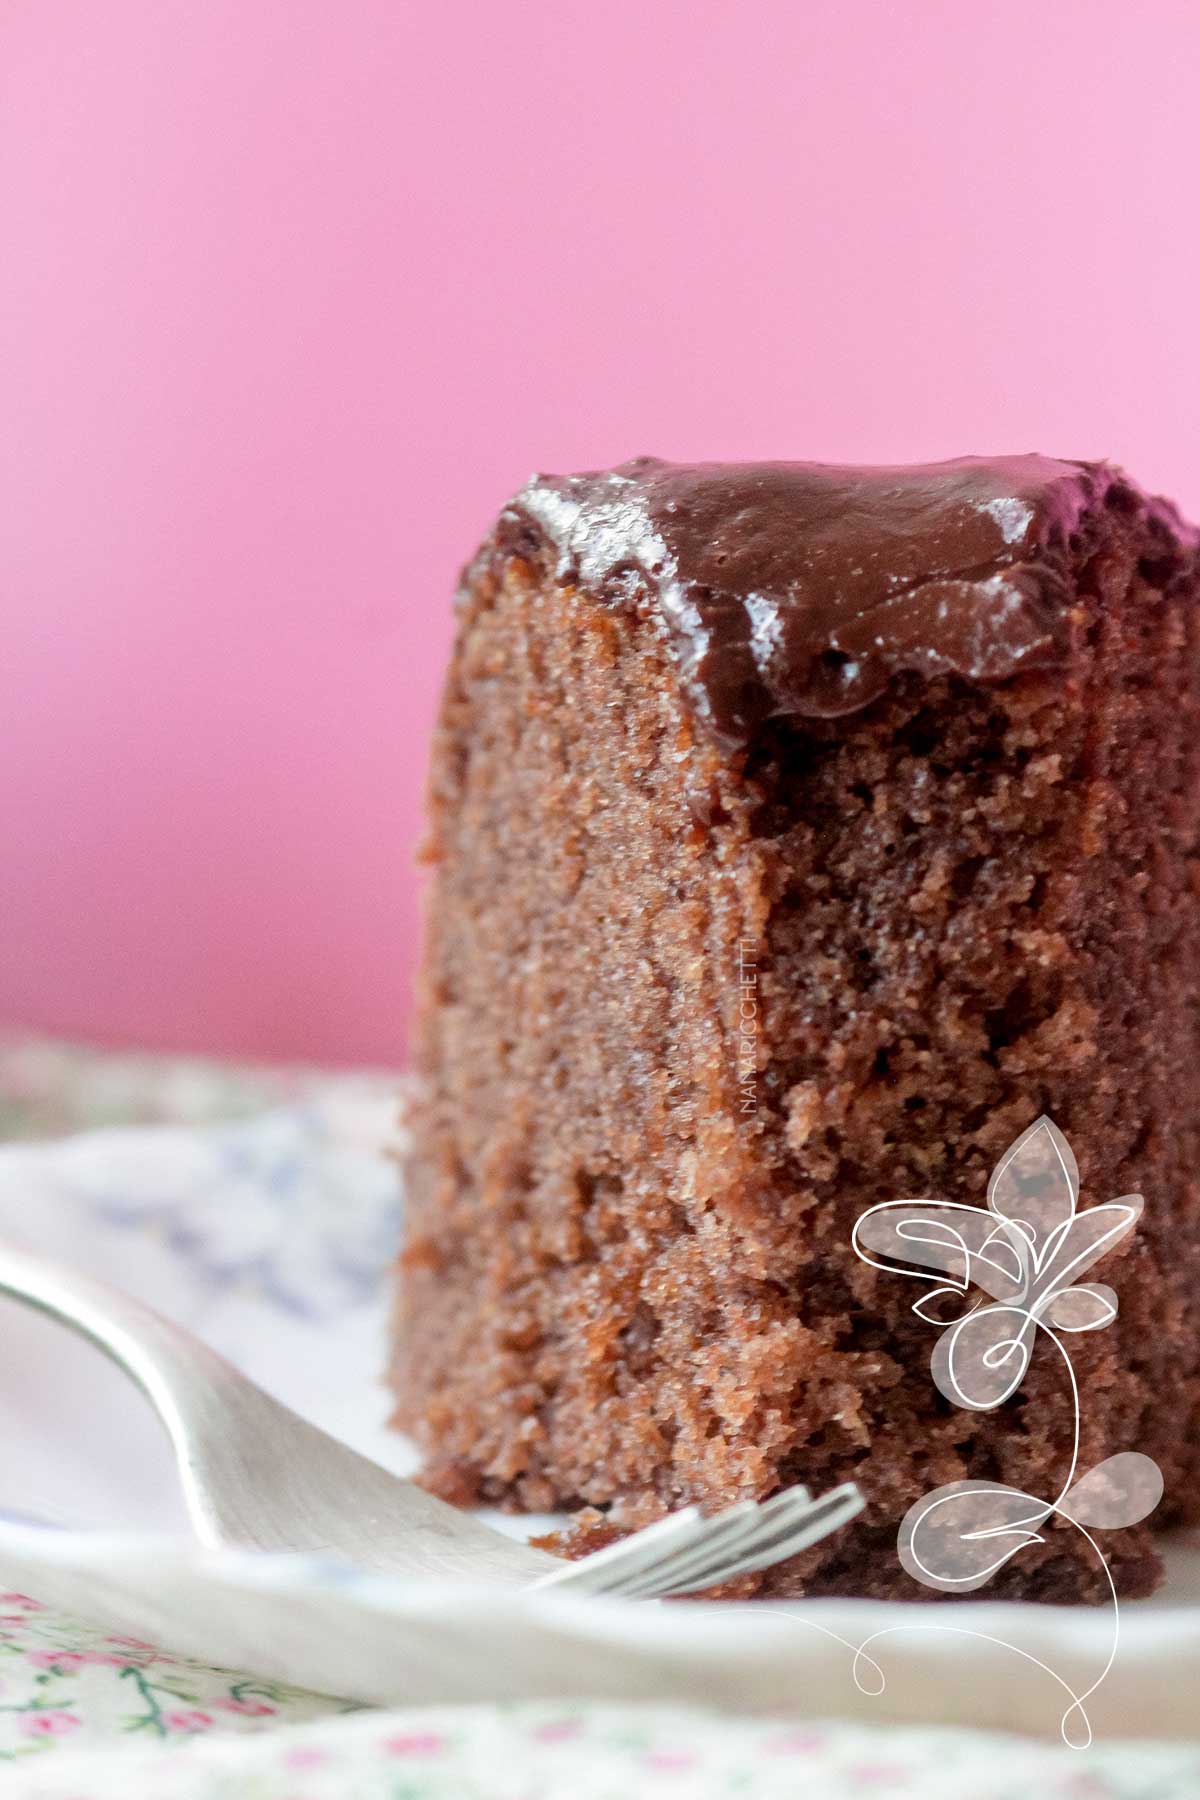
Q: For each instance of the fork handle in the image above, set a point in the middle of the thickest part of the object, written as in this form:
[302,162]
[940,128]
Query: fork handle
[255,1474]
[192,1388]
[163,1359]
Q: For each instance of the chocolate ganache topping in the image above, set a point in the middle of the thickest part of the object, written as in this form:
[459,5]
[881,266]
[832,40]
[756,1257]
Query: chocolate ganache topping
[801,588]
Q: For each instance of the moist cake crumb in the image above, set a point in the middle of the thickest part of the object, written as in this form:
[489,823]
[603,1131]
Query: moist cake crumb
[798,836]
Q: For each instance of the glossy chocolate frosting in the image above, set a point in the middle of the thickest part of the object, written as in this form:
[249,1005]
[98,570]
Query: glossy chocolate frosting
[803,589]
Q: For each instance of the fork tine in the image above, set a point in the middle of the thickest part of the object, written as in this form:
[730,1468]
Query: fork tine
[609,1569]
[735,1533]
[723,1534]
[628,1573]
[639,1573]
[688,1551]
[737,1539]
[785,1535]
[807,1527]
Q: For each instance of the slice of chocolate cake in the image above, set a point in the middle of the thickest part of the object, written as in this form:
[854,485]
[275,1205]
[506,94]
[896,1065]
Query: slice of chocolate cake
[800,835]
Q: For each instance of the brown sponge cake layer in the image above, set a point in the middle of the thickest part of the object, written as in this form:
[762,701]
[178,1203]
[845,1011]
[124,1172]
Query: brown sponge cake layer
[694,998]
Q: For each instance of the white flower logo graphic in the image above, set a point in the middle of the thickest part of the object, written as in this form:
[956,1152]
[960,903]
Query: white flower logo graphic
[1026,1251]
[1000,1276]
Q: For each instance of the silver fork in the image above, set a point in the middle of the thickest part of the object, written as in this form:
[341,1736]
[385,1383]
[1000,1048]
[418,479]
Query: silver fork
[257,1476]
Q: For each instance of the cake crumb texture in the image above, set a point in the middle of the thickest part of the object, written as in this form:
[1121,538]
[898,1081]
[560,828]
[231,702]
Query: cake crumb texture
[690,1005]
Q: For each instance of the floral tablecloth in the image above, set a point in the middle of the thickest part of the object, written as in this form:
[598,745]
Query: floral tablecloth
[89,1714]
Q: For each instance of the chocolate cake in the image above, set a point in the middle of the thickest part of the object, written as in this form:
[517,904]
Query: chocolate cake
[799,836]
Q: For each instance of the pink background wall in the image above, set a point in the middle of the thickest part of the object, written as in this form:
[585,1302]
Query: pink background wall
[292,294]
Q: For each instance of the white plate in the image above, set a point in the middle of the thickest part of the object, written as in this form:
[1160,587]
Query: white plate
[362,1637]
[268,1238]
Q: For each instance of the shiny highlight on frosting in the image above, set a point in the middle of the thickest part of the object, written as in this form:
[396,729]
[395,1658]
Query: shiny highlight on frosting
[803,589]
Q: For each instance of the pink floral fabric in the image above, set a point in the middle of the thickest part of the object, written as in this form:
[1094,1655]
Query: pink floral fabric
[63,1683]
